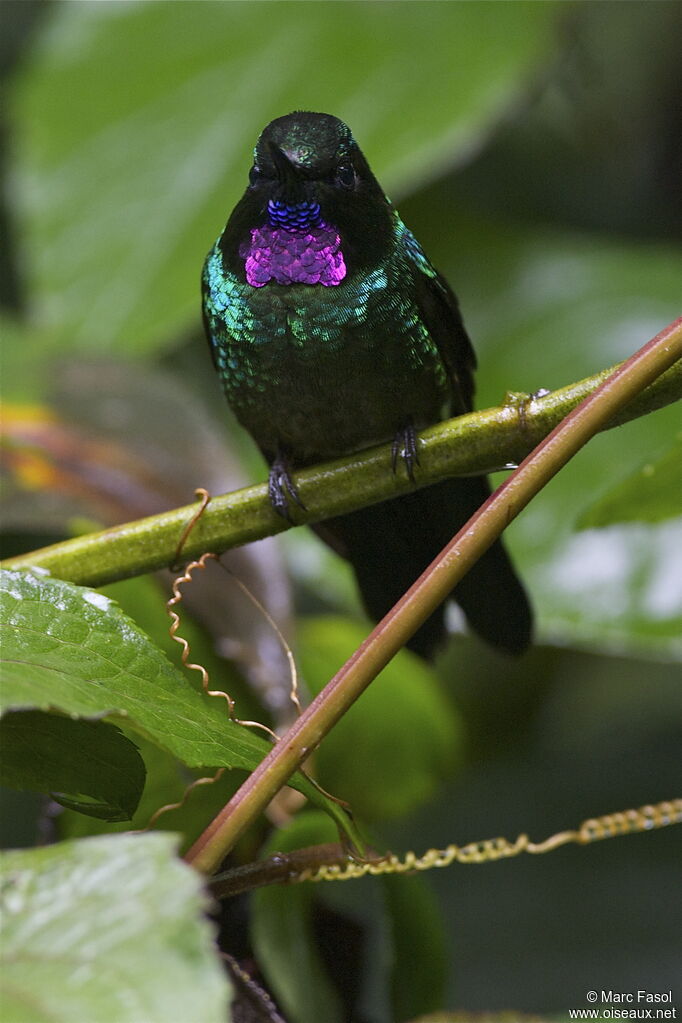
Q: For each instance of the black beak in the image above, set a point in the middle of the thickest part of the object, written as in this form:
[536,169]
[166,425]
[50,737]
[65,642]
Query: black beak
[291,185]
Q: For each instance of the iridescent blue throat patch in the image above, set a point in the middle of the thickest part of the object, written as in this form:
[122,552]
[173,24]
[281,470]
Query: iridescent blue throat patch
[294,216]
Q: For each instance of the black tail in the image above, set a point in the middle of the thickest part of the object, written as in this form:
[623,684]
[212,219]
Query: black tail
[390,544]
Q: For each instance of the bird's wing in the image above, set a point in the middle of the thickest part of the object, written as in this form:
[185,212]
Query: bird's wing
[440,311]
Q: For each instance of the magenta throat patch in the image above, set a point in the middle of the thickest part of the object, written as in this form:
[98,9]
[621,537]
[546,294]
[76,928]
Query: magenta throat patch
[310,255]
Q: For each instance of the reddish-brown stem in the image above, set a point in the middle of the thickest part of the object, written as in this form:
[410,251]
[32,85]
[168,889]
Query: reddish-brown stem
[430,590]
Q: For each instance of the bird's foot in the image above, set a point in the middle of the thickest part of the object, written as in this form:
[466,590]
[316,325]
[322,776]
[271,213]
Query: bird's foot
[282,489]
[405,447]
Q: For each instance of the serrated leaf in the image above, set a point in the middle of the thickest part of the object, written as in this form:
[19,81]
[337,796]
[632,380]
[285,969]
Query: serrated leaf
[107,929]
[71,649]
[161,162]
[104,448]
[89,766]
[405,734]
[652,494]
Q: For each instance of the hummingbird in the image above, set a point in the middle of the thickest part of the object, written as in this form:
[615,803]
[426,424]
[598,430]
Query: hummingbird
[331,331]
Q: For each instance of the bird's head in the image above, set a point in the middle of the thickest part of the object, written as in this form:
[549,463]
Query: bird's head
[309,175]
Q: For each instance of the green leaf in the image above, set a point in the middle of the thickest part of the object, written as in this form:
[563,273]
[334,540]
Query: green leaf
[71,649]
[136,126]
[26,353]
[404,733]
[404,961]
[107,929]
[283,937]
[652,494]
[167,779]
[402,968]
[87,765]
[420,955]
[167,784]
[144,600]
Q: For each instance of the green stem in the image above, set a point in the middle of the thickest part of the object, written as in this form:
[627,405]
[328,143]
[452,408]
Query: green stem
[430,590]
[475,443]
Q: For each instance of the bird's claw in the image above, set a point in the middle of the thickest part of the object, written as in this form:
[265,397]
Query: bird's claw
[405,446]
[282,489]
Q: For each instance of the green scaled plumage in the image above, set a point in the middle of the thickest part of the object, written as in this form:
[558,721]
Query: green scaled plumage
[316,370]
[284,350]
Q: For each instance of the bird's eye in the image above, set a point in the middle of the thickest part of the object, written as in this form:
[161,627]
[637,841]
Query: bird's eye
[254,174]
[345,175]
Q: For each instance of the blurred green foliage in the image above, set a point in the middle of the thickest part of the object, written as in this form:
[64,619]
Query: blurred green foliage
[107,901]
[404,717]
[535,150]
[128,155]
